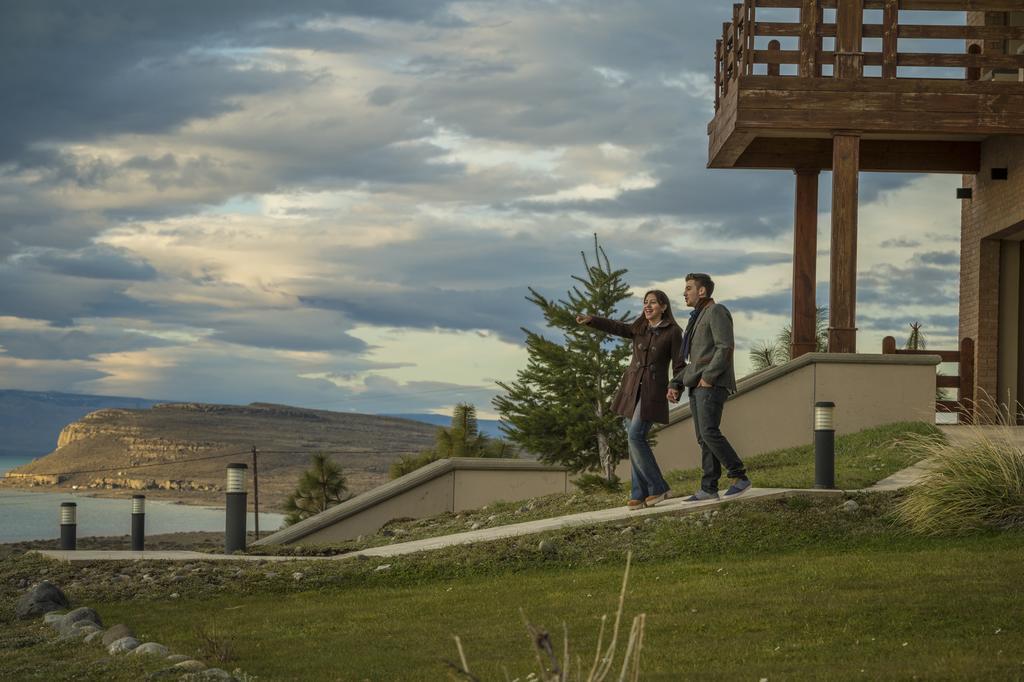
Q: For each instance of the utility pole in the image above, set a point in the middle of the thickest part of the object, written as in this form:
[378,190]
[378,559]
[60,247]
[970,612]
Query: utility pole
[256,492]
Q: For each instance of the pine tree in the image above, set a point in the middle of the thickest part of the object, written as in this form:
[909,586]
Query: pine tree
[560,405]
[463,439]
[321,486]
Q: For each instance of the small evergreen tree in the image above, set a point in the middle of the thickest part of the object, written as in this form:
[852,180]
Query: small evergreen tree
[560,405]
[463,439]
[320,487]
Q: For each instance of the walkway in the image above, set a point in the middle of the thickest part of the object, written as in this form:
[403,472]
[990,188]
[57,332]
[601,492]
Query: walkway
[467,538]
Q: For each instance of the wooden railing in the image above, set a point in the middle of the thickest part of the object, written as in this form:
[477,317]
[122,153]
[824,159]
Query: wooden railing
[985,48]
[963,406]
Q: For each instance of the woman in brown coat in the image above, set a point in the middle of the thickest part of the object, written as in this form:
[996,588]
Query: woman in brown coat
[641,398]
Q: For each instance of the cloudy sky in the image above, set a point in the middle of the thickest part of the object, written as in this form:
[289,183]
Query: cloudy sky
[341,204]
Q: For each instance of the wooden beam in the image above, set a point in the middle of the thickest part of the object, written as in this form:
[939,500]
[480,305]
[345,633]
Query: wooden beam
[805,255]
[890,35]
[900,156]
[808,38]
[917,5]
[842,331]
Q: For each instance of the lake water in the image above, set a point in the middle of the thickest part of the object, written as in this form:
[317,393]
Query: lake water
[36,516]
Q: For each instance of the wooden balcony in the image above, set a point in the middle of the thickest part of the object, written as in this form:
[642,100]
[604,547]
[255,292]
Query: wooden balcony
[913,111]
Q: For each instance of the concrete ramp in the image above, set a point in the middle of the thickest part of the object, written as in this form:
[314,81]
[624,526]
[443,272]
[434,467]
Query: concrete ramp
[774,408]
[447,485]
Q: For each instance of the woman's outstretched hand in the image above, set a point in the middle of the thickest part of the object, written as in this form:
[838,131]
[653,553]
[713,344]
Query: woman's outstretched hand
[583,319]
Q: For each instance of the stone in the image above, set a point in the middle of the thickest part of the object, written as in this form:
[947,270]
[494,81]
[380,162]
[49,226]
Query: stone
[297,575]
[116,632]
[41,599]
[216,674]
[151,649]
[123,645]
[190,665]
[850,506]
[84,613]
[174,595]
[178,658]
[383,567]
[95,636]
[52,617]
[547,547]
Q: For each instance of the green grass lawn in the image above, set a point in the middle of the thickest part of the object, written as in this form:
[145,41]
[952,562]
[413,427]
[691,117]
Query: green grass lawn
[783,589]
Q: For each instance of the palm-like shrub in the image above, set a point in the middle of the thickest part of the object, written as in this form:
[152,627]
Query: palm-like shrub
[321,486]
[975,484]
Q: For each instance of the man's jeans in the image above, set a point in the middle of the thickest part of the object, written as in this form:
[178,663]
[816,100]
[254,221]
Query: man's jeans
[706,406]
[647,478]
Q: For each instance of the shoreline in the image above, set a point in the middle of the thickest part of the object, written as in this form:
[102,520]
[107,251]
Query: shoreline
[194,499]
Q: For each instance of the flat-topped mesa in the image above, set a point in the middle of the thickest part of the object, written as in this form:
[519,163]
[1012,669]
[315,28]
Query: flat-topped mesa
[783,88]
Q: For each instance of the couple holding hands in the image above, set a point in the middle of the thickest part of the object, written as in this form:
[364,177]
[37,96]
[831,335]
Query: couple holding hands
[701,358]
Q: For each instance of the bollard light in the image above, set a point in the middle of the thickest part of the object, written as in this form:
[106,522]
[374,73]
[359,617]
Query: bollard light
[824,445]
[68,525]
[234,528]
[138,523]
[236,478]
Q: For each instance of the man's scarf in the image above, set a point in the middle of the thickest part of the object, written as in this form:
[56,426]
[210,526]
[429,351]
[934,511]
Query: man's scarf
[691,323]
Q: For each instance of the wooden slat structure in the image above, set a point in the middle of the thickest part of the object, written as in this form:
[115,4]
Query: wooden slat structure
[807,95]
[963,406]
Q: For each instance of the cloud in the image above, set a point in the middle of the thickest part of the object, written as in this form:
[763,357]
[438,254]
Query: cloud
[95,262]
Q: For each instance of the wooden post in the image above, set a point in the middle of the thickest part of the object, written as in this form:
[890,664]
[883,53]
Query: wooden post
[718,74]
[890,35]
[748,35]
[808,38]
[849,38]
[966,395]
[842,331]
[805,255]
[773,65]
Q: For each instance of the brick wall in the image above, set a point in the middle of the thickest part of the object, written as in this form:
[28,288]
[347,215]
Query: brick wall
[996,210]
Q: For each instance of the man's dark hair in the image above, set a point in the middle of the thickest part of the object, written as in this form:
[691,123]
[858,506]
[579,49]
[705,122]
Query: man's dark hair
[703,280]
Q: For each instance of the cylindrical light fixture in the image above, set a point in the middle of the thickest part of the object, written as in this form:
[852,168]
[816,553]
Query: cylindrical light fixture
[824,445]
[138,523]
[234,529]
[68,525]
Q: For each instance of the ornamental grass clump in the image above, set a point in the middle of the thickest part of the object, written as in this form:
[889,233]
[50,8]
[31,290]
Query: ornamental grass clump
[974,484]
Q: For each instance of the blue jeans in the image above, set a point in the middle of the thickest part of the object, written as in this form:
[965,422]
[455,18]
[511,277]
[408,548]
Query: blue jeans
[706,405]
[647,478]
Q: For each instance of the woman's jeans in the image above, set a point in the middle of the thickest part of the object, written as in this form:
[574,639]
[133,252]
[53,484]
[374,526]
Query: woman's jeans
[647,478]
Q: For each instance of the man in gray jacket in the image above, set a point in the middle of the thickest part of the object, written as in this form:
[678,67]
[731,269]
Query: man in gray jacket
[709,374]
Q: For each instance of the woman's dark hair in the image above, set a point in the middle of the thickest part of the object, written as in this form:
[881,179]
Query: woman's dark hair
[702,280]
[641,324]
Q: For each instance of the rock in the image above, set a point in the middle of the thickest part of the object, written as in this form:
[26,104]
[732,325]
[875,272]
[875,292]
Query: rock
[41,599]
[79,630]
[178,658]
[270,574]
[297,576]
[383,567]
[52,617]
[152,649]
[116,632]
[174,595]
[191,665]
[707,516]
[628,530]
[123,645]
[547,547]
[492,517]
[96,636]
[475,526]
[84,613]
[522,510]
[849,506]
[215,674]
